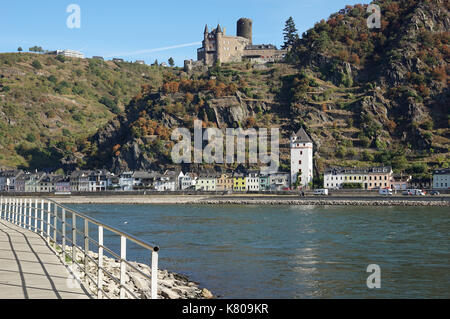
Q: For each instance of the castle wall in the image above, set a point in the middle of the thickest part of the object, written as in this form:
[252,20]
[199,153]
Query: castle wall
[231,49]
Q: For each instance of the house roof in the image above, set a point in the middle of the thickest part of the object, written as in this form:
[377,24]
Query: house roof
[302,136]
[443,171]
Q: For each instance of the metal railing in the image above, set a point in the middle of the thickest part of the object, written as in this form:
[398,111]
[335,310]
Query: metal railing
[49,219]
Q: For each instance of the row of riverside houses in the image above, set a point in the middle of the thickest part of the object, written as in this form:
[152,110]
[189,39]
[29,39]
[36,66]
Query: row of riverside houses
[102,180]
[252,181]
[382,177]
[87,181]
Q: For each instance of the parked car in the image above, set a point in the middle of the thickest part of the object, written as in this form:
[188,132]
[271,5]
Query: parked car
[435,193]
[323,192]
[414,192]
[385,192]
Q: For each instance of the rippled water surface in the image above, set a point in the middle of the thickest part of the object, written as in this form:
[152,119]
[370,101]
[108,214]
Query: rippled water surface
[292,252]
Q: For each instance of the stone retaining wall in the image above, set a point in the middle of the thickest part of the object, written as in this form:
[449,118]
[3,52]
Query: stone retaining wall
[325,202]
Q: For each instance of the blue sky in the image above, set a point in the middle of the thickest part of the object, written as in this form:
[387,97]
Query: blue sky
[149,30]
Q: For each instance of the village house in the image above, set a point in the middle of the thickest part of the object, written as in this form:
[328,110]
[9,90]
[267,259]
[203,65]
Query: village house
[126,181]
[264,183]
[79,181]
[224,183]
[364,178]
[400,182]
[8,180]
[188,181]
[239,183]
[47,184]
[441,179]
[166,182]
[144,180]
[252,181]
[280,181]
[206,182]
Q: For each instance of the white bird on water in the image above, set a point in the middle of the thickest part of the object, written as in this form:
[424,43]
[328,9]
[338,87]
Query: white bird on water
[125,223]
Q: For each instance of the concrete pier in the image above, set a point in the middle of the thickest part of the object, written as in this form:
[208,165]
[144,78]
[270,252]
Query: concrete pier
[29,269]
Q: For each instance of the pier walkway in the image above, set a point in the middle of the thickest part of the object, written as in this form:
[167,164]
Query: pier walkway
[41,241]
[29,269]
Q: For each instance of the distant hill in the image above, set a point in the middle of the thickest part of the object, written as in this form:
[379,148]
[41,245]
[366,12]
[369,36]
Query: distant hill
[49,105]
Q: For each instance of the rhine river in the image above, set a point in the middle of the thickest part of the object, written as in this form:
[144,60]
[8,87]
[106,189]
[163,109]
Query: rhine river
[292,252]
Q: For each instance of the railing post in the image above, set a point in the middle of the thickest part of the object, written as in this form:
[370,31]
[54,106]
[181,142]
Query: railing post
[86,244]
[42,218]
[35,215]
[154,274]
[63,238]
[8,208]
[55,224]
[74,238]
[20,212]
[15,211]
[48,222]
[25,224]
[123,266]
[1,207]
[100,263]
[29,214]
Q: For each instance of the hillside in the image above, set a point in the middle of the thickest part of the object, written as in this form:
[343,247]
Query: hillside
[50,105]
[366,97]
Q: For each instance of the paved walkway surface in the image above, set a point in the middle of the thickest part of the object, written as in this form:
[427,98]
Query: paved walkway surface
[29,269]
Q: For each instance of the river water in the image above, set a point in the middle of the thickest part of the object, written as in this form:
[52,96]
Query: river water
[292,252]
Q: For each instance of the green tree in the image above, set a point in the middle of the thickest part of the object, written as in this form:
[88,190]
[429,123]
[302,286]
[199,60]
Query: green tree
[37,65]
[171,62]
[36,49]
[290,34]
[20,49]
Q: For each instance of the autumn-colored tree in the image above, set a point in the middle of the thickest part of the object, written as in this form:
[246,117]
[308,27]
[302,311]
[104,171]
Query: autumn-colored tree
[354,58]
[440,74]
[189,97]
[250,122]
[391,125]
[211,84]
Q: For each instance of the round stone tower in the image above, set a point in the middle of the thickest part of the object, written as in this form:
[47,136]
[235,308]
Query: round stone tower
[244,29]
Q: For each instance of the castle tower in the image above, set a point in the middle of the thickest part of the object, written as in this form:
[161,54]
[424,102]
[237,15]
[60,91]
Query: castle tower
[219,37]
[245,29]
[302,165]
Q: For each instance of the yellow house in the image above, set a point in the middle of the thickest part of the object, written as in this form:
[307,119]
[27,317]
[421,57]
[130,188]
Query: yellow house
[240,185]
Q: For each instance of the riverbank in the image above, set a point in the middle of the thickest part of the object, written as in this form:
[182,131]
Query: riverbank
[170,285]
[256,200]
